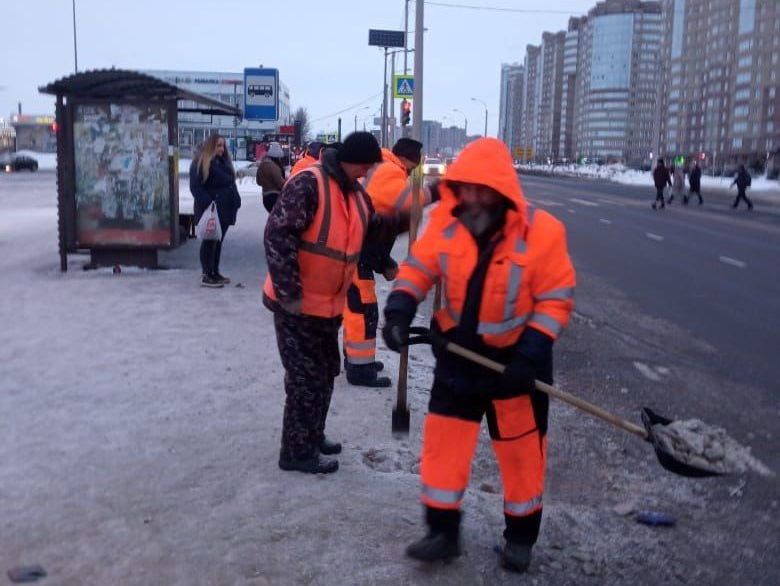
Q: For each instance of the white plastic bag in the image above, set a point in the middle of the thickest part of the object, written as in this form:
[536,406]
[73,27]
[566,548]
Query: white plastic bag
[208,227]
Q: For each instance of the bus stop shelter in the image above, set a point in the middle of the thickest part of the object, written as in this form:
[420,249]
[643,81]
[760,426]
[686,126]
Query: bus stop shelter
[117,164]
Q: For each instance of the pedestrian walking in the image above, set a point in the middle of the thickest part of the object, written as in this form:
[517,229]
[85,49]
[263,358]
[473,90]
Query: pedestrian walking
[661,179]
[742,181]
[508,288]
[313,240]
[270,174]
[388,186]
[694,183]
[310,156]
[678,183]
[213,179]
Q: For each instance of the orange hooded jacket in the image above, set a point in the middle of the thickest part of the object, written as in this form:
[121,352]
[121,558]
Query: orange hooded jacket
[530,280]
[306,161]
[388,185]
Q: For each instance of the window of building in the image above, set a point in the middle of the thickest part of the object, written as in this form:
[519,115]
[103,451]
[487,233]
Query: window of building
[747,16]
[743,77]
[745,61]
[741,111]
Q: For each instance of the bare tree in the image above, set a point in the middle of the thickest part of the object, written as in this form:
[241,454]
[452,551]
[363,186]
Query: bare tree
[302,116]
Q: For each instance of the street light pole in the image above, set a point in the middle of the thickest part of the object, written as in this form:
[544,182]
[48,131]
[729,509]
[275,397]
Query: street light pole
[486,111]
[75,49]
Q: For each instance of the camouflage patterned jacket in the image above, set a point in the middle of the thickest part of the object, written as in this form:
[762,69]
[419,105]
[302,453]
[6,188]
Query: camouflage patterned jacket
[294,213]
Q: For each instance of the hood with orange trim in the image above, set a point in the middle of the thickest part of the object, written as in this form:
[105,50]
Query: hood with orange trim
[485,161]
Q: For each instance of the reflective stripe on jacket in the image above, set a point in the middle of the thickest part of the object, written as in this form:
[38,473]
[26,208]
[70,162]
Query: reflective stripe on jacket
[329,248]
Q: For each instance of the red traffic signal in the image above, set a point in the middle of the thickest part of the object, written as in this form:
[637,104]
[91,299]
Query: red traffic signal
[406,112]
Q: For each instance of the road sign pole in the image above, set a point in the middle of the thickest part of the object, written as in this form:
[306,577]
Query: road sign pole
[384,104]
[417,111]
[392,101]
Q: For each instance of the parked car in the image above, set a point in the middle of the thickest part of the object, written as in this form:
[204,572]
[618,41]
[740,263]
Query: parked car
[13,162]
[433,166]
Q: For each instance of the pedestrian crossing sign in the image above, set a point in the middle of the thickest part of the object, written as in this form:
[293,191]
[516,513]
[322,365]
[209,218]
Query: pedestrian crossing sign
[403,86]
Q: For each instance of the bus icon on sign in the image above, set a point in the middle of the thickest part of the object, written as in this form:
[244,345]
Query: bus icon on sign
[260,90]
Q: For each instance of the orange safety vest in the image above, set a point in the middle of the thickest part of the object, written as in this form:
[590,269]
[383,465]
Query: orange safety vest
[530,280]
[329,248]
[388,185]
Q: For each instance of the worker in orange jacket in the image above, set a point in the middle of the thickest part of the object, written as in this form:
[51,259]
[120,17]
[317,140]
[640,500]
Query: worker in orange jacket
[508,286]
[388,186]
[313,240]
[310,156]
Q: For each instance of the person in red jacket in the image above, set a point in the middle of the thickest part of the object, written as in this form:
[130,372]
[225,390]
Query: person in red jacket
[508,287]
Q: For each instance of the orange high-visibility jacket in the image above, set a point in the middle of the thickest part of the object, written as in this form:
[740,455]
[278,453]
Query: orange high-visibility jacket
[530,280]
[303,163]
[329,248]
[388,185]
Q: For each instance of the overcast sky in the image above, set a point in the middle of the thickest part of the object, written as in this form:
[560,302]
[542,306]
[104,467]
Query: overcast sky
[320,47]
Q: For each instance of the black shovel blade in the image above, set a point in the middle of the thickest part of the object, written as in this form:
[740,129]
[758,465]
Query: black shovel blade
[400,421]
[667,460]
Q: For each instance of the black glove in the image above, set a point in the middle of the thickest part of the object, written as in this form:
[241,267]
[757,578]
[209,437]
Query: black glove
[396,330]
[518,378]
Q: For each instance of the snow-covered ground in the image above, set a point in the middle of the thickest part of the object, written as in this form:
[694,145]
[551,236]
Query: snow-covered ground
[621,174]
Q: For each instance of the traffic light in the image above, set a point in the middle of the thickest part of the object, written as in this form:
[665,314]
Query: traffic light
[406,112]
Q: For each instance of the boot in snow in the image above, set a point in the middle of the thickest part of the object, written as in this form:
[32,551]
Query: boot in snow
[314,465]
[435,546]
[516,557]
[378,365]
[330,448]
[364,375]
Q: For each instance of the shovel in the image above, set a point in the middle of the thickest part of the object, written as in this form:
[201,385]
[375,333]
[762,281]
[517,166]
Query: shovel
[667,459]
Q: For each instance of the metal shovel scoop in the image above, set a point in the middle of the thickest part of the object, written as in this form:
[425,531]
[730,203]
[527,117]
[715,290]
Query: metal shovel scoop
[666,458]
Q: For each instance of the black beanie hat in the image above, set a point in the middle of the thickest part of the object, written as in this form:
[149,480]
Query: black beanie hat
[408,148]
[360,148]
[314,148]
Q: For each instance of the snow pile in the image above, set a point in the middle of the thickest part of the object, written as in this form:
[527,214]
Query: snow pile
[621,174]
[706,447]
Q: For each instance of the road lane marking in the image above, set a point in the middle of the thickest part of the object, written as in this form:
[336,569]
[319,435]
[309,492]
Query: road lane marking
[732,261]
[571,211]
[610,202]
[605,221]
[655,237]
[584,202]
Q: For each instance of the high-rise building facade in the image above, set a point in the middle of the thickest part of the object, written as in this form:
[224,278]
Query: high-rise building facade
[720,98]
[618,80]
[531,88]
[548,130]
[568,88]
[511,107]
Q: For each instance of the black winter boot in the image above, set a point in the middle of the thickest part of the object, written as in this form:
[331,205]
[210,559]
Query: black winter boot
[516,557]
[314,465]
[329,448]
[365,375]
[443,539]
[435,546]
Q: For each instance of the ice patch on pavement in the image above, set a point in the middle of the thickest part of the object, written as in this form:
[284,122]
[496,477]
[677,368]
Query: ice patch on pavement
[649,372]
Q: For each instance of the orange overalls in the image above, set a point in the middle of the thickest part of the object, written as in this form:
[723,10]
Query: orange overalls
[390,191]
[527,293]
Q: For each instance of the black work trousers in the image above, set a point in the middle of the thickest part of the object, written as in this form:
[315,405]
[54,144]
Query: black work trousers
[309,349]
[741,195]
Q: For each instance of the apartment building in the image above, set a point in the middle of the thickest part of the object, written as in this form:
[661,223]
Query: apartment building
[511,107]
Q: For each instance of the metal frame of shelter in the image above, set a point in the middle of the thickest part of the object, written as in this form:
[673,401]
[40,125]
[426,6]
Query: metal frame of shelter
[109,87]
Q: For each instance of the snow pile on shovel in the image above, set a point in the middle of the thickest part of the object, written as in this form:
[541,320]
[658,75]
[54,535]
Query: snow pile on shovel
[710,448]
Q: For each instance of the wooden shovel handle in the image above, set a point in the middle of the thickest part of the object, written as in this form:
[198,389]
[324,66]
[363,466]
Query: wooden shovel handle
[553,392]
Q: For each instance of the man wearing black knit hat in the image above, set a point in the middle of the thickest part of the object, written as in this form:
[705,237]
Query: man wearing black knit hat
[313,239]
[388,186]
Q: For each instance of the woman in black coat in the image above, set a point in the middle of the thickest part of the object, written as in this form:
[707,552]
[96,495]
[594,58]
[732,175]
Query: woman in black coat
[213,179]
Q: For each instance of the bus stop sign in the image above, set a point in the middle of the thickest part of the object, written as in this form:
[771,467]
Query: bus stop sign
[261,94]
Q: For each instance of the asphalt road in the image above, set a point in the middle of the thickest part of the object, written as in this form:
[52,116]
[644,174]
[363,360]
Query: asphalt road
[710,270]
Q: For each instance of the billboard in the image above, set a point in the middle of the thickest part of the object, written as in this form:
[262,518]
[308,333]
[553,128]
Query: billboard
[261,94]
[122,175]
